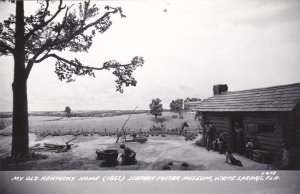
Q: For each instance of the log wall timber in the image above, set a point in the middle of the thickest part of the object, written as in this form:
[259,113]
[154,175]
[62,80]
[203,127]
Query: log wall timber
[270,141]
[286,128]
[222,123]
[292,135]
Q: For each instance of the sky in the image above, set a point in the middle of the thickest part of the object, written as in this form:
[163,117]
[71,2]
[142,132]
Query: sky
[189,48]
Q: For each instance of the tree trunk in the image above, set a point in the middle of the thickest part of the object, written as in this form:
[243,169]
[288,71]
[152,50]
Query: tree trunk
[20,140]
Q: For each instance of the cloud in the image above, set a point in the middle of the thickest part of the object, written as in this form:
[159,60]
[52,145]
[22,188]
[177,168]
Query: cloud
[265,14]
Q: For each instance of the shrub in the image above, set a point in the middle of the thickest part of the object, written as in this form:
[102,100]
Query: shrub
[166,167]
[185,165]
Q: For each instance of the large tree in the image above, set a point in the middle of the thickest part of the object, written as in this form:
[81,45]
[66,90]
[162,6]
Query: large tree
[176,105]
[68,111]
[44,35]
[156,108]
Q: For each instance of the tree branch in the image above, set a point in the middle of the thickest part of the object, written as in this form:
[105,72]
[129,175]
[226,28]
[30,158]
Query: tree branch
[45,23]
[4,48]
[9,40]
[67,34]
[43,49]
[28,68]
[48,47]
[50,44]
[53,55]
[72,63]
[46,9]
[81,30]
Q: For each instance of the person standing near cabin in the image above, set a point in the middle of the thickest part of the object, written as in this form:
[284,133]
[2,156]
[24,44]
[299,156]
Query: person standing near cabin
[221,142]
[238,138]
[209,135]
[203,126]
[215,141]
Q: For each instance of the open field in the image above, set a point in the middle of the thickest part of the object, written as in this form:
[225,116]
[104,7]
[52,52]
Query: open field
[96,113]
[74,125]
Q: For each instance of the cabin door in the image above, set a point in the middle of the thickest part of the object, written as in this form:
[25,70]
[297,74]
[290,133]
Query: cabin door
[238,142]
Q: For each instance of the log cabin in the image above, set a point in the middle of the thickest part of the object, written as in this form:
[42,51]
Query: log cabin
[269,117]
[190,106]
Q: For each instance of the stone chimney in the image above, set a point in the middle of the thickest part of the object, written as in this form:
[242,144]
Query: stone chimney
[220,88]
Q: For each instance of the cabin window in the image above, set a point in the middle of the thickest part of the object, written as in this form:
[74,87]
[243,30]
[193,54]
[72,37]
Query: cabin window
[265,128]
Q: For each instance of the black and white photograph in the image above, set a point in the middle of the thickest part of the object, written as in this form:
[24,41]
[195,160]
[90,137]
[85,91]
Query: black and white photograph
[150,88]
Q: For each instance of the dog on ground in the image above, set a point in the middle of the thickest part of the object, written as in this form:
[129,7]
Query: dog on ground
[232,159]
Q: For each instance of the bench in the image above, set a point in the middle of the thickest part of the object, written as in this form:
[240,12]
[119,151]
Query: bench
[261,155]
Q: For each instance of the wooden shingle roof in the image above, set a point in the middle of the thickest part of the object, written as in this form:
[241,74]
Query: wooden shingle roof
[277,98]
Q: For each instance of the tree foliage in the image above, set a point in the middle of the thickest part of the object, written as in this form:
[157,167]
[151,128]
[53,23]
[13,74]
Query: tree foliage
[68,110]
[156,108]
[67,29]
[176,105]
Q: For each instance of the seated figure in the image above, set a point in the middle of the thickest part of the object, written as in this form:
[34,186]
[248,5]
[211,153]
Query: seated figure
[249,144]
[128,157]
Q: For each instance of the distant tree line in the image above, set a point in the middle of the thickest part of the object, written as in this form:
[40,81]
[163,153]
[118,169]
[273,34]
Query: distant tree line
[176,106]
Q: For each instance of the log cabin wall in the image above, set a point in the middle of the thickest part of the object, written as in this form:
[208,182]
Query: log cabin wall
[292,135]
[222,123]
[266,129]
[252,122]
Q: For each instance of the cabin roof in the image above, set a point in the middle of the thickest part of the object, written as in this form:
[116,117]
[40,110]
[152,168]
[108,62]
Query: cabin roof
[194,102]
[278,98]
